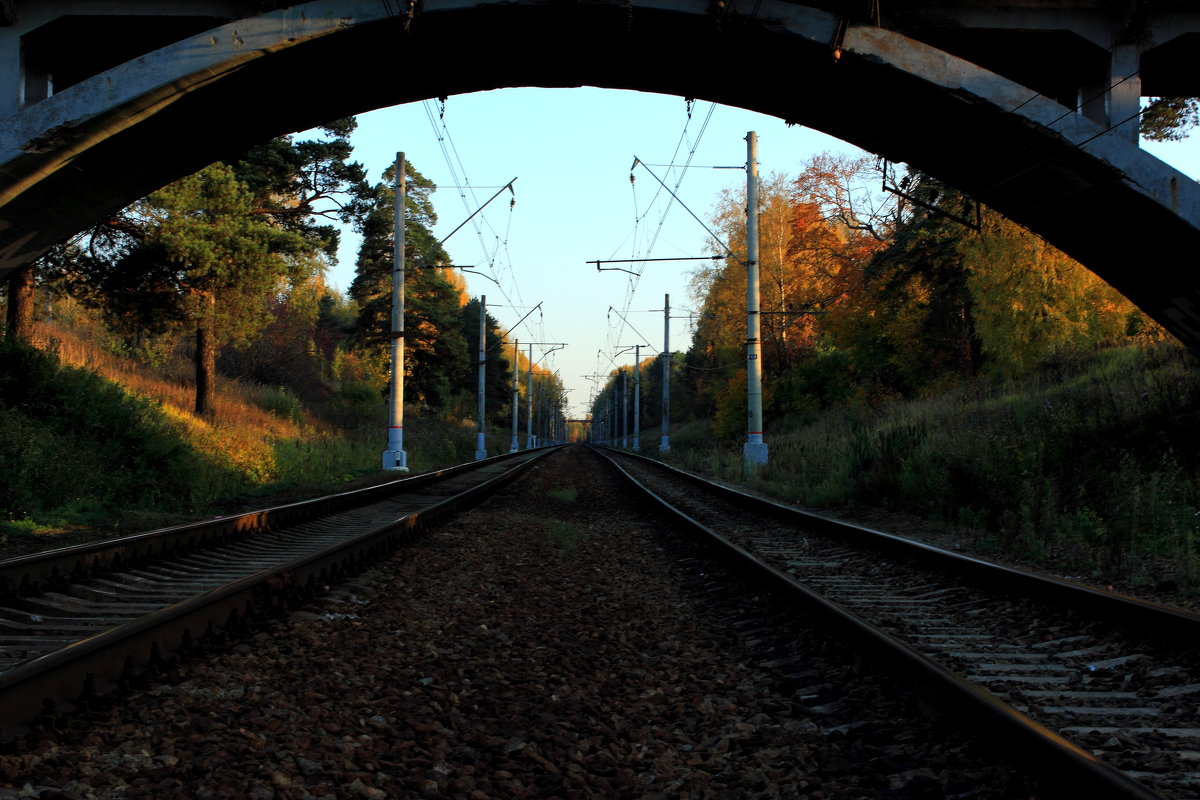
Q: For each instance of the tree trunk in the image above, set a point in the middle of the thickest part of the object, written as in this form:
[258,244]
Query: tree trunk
[20,304]
[206,359]
[206,363]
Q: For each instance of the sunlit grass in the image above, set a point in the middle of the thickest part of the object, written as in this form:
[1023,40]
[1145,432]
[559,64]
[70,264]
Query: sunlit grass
[260,439]
[174,388]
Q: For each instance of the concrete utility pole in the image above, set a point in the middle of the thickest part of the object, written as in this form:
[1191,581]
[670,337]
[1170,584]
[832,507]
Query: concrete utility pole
[664,444]
[480,445]
[623,409]
[613,427]
[516,405]
[529,440]
[637,396]
[394,457]
[539,418]
[755,450]
[595,431]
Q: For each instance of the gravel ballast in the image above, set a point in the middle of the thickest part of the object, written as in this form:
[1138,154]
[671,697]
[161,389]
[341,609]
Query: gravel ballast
[550,643]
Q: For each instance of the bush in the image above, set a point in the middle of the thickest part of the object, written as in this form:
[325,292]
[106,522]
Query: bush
[69,438]
[282,403]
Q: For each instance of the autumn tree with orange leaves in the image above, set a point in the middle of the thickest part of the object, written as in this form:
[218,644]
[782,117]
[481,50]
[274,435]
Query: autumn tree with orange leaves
[867,294]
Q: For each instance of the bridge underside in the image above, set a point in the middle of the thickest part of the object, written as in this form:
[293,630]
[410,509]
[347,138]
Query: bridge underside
[70,159]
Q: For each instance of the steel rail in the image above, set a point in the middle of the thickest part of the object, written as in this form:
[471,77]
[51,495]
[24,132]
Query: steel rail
[32,573]
[1146,616]
[58,681]
[974,707]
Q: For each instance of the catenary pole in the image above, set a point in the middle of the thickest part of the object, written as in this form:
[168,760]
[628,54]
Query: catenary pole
[624,410]
[637,396]
[613,427]
[530,438]
[480,444]
[529,441]
[394,457]
[755,450]
[516,403]
[664,445]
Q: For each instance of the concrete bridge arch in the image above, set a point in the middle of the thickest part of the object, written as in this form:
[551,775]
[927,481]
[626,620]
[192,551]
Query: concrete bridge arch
[67,158]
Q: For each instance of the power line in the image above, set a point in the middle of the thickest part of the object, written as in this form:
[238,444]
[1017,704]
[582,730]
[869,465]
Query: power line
[443,137]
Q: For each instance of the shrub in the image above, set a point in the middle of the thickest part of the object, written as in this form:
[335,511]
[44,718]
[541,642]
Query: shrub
[69,437]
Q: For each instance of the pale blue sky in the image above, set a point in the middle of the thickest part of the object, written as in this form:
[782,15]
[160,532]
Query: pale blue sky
[571,152]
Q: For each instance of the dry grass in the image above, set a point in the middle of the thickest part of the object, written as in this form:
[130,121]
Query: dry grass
[239,441]
[174,388]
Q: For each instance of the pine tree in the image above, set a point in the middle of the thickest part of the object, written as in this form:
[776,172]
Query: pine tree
[226,260]
[436,352]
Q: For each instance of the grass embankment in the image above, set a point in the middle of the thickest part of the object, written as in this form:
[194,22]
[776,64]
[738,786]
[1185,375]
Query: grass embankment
[1090,465]
[97,441]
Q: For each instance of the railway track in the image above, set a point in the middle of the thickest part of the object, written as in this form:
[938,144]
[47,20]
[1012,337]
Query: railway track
[1102,689]
[77,621]
[553,641]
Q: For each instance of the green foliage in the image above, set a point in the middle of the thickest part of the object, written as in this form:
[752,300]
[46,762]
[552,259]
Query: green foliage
[282,403]
[1169,119]
[820,378]
[436,350]
[325,459]
[920,287]
[71,440]
[204,226]
[301,185]
[498,377]
[896,303]
[1032,302]
[1090,462]
[732,408]
[220,255]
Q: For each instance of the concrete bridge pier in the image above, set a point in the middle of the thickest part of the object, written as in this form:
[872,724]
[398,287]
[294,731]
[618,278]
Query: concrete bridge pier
[1114,99]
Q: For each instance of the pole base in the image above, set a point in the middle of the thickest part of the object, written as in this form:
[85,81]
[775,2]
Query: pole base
[395,460]
[480,455]
[665,445]
[755,454]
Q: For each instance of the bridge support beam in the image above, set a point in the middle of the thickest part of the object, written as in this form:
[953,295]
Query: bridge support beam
[1124,98]
[1113,97]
